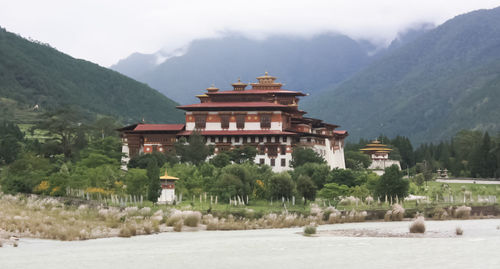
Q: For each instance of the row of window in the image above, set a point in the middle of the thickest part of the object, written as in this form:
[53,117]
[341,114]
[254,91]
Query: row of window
[247,139]
[272,150]
[200,121]
[273,162]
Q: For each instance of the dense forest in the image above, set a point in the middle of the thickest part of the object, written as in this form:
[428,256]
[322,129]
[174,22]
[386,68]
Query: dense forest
[467,154]
[66,151]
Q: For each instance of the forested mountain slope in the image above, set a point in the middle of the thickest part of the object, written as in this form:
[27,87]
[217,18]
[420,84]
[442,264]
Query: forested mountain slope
[35,74]
[445,80]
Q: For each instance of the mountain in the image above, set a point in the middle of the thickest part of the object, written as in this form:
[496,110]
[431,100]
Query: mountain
[302,64]
[445,80]
[32,74]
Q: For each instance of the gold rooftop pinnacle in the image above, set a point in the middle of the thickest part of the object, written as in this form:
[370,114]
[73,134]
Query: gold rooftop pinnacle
[239,86]
[212,88]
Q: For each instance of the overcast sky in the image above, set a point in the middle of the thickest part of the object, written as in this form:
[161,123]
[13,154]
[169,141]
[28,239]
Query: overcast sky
[105,31]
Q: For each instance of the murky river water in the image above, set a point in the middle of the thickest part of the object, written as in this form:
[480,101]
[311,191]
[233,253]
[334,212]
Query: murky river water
[479,247]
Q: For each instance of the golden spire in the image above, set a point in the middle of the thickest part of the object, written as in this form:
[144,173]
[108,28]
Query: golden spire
[166,176]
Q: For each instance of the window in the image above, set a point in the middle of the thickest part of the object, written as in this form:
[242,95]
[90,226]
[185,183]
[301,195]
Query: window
[265,121]
[221,139]
[236,139]
[272,150]
[224,121]
[268,139]
[273,162]
[261,161]
[240,121]
[200,121]
[262,149]
[282,150]
[252,139]
[283,162]
[261,139]
[212,139]
[284,138]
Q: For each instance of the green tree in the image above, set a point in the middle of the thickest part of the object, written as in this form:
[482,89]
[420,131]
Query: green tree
[306,188]
[300,156]
[242,154]
[318,172]
[65,127]
[281,185]
[483,160]
[141,161]
[136,181]
[194,150]
[392,184]
[221,160]
[25,173]
[10,142]
[357,160]
[154,186]
[346,177]
[333,191]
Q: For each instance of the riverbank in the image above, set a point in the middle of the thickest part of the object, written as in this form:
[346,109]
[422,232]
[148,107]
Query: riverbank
[277,248]
[66,219]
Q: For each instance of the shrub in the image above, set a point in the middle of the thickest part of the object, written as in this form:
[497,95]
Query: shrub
[192,219]
[439,214]
[463,212]
[125,232]
[459,231]
[178,226]
[173,219]
[308,230]
[395,214]
[418,225]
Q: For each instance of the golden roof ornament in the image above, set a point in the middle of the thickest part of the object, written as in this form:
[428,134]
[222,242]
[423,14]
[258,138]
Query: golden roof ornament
[167,177]
[212,88]
[239,86]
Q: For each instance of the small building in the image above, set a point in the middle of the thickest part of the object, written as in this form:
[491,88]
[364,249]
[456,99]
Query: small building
[167,189]
[265,116]
[379,154]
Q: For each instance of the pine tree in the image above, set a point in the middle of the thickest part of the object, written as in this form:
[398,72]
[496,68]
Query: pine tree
[154,186]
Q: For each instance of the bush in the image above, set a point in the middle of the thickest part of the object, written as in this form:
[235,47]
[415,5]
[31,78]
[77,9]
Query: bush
[178,226]
[418,225]
[463,212]
[459,231]
[308,230]
[395,214]
[192,219]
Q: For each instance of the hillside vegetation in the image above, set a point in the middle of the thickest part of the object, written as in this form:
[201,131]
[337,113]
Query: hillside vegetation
[32,74]
[446,80]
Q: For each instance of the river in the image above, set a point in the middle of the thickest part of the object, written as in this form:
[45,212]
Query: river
[279,248]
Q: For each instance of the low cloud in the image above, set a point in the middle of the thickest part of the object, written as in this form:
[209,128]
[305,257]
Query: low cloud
[106,31]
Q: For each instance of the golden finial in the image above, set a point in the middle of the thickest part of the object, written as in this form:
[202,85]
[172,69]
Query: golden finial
[266,73]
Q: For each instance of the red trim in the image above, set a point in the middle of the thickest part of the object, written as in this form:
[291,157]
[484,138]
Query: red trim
[232,104]
[240,132]
[257,92]
[159,127]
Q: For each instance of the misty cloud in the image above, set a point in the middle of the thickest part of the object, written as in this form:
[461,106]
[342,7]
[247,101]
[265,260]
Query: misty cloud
[106,31]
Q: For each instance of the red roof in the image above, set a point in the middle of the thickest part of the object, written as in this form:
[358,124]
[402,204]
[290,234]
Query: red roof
[341,132]
[251,91]
[159,127]
[240,132]
[231,104]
